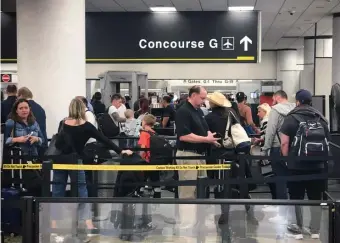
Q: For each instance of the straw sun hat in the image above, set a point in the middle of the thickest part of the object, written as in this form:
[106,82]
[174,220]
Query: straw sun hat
[219,99]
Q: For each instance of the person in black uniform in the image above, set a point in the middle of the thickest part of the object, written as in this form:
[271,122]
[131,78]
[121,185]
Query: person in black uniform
[193,139]
[169,112]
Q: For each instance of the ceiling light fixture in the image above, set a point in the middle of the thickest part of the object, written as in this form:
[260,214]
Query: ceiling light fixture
[163,9]
[241,8]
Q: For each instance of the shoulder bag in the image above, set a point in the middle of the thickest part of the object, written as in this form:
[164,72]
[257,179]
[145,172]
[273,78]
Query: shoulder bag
[235,135]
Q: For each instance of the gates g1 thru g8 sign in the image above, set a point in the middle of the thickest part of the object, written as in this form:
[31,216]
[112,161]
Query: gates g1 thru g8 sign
[173,37]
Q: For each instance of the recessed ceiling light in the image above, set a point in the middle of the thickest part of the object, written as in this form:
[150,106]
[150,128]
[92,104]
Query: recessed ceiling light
[163,9]
[241,8]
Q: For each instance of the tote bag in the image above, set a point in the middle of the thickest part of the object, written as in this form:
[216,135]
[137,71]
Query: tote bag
[235,135]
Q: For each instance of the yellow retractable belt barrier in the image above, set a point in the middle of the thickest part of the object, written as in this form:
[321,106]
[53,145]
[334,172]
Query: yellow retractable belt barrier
[117,167]
[22,167]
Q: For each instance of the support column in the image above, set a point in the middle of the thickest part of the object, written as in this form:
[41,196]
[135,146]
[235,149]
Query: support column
[51,54]
[287,72]
[307,75]
[336,49]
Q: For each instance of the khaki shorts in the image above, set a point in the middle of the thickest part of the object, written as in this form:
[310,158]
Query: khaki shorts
[189,192]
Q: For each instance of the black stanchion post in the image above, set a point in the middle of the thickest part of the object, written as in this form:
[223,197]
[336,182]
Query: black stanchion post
[242,174]
[27,220]
[336,238]
[47,167]
[200,190]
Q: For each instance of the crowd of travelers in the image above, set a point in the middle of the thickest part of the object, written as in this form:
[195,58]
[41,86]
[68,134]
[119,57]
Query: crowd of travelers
[202,128]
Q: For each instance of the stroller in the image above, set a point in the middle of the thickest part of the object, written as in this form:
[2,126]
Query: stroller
[125,219]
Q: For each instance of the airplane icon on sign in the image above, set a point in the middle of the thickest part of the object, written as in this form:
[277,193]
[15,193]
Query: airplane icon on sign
[227,43]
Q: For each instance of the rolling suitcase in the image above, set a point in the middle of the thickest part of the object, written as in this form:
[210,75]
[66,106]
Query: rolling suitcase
[10,194]
[10,216]
[126,218]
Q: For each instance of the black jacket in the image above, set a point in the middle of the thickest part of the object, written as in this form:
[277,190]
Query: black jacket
[6,107]
[305,113]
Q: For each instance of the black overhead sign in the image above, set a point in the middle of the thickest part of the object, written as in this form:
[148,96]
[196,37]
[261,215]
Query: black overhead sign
[160,37]
[172,37]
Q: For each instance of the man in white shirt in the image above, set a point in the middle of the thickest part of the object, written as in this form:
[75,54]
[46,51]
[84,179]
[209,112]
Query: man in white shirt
[114,110]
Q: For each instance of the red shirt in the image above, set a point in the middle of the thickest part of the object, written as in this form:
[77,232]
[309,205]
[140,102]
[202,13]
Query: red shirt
[144,140]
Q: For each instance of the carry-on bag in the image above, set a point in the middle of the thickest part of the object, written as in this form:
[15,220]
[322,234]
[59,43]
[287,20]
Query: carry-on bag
[10,216]
[126,218]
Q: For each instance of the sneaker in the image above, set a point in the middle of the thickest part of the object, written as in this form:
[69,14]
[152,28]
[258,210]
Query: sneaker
[295,236]
[295,232]
[295,229]
[55,238]
[251,219]
[277,218]
[270,209]
[92,232]
[314,235]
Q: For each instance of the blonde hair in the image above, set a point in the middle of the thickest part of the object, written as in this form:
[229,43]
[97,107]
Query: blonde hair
[149,120]
[266,107]
[76,110]
[128,113]
[25,93]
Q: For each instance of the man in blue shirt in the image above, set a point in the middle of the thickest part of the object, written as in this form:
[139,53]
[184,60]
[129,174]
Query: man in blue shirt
[6,105]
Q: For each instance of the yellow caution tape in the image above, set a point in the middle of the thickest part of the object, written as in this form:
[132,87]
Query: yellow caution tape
[22,167]
[140,167]
[118,167]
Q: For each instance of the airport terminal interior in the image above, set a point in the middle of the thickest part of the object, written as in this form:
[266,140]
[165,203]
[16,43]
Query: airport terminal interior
[172,69]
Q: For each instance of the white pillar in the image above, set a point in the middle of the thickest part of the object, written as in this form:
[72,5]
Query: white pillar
[307,75]
[51,54]
[287,72]
[336,49]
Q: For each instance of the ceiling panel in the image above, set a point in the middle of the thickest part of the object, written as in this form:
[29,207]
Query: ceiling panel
[285,42]
[107,5]
[325,24]
[133,5]
[299,30]
[313,14]
[89,7]
[336,9]
[285,19]
[297,44]
[241,2]
[272,7]
[158,3]
[214,5]
[187,5]
[267,18]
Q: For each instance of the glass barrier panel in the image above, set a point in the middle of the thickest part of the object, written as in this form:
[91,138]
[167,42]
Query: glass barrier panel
[184,223]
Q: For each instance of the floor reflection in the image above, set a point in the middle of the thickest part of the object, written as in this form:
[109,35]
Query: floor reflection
[163,227]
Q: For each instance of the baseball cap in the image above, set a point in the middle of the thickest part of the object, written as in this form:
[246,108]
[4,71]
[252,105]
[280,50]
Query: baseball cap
[303,95]
[240,96]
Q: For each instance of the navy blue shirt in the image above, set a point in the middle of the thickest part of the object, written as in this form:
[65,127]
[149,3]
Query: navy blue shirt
[191,120]
[40,116]
[6,107]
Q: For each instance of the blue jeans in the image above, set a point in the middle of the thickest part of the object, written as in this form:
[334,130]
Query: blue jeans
[58,190]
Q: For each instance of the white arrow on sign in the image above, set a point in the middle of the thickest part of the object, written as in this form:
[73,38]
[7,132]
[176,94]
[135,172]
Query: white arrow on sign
[246,40]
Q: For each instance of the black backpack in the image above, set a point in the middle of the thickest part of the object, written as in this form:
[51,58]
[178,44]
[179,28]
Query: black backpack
[160,150]
[310,139]
[107,126]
